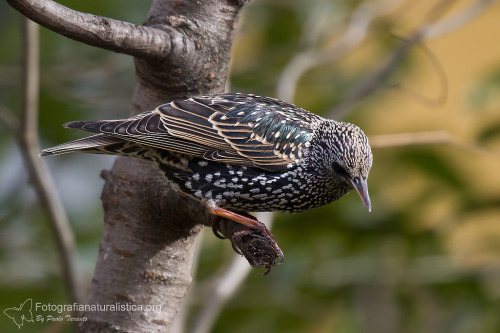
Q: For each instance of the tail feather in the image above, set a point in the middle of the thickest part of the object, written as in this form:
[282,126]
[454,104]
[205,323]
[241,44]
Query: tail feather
[92,144]
[79,124]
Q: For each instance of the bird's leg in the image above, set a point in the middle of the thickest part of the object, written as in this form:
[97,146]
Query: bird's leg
[249,221]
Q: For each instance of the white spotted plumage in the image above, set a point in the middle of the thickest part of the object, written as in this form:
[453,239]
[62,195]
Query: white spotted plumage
[244,152]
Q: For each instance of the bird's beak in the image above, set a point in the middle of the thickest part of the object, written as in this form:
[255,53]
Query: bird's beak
[362,188]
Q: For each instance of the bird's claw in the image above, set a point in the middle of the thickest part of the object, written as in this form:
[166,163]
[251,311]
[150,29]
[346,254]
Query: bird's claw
[258,246]
[235,246]
[215,228]
[280,255]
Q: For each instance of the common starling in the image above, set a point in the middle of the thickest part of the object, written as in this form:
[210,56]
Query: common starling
[240,153]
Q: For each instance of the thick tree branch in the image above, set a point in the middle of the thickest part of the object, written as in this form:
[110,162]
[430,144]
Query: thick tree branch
[122,37]
[146,254]
[150,231]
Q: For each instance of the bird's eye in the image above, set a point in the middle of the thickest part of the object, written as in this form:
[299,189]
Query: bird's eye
[338,169]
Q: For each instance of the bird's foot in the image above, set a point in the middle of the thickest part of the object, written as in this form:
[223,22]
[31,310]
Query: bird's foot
[258,246]
[251,239]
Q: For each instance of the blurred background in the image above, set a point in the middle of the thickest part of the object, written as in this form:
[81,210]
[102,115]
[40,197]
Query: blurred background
[427,259]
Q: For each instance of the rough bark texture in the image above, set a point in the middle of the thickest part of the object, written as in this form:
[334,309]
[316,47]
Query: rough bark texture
[150,231]
[147,251]
[96,30]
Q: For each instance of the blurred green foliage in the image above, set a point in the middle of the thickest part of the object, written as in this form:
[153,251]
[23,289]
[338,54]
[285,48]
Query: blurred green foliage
[398,269]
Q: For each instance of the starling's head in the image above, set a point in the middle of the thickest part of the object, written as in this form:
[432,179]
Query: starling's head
[347,156]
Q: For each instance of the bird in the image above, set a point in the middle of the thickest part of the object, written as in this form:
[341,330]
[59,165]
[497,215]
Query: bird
[239,153]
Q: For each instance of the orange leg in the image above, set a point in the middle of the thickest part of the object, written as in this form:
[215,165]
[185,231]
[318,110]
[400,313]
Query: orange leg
[245,220]
[251,222]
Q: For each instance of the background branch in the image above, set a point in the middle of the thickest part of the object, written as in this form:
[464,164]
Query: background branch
[354,34]
[222,287]
[429,138]
[459,19]
[114,35]
[38,173]
[7,116]
[432,29]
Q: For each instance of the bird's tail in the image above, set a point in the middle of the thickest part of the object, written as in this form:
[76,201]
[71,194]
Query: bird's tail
[96,144]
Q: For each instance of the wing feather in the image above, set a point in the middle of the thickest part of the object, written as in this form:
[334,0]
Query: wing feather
[230,128]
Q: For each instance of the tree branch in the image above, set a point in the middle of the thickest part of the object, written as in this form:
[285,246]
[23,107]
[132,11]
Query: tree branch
[7,116]
[224,286]
[459,19]
[431,29]
[39,175]
[150,230]
[430,138]
[114,35]
[147,251]
[372,82]
[354,34]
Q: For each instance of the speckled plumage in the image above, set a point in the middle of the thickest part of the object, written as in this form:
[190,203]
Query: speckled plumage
[241,152]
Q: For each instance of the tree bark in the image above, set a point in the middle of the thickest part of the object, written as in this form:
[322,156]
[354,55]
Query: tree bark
[150,231]
[147,251]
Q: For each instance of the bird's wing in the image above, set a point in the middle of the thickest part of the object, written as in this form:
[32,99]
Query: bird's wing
[231,128]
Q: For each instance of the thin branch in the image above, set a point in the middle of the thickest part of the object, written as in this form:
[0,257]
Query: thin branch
[458,20]
[225,286]
[355,33]
[39,176]
[222,289]
[432,29]
[372,82]
[114,35]
[430,138]
[409,139]
[441,76]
